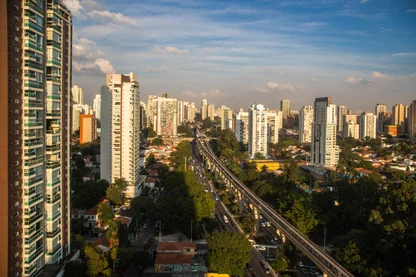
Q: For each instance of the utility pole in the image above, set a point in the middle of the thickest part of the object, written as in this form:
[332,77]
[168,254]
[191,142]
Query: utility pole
[324,238]
[191,230]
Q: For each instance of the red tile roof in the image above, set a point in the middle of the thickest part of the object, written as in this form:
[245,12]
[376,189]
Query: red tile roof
[101,241]
[363,170]
[172,258]
[150,180]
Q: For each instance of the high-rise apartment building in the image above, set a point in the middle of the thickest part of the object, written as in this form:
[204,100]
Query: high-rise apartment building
[272,127]
[120,128]
[305,124]
[143,115]
[204,109]
[241,126]
[77,95]
[96,106]
[257,130]
[351,126]
[35,62]
[368,124]
[190,112]
[151,115]
[211,111]
[87,129]
[398,116]
[180,112]
[380,112]
[166,115]
[411,121]
[324,133]
[226,116]
[341,111]
[285,108]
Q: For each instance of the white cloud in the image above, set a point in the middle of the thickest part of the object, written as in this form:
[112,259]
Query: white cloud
[213,93]
[156,69]
[170,50]
[364,1]
[74,6]
[378,75]
[270,86]
[314,24]
[117,18]
[314,78]
[99,66]
[188,93]
[411,11]
[405,54]
[352,80]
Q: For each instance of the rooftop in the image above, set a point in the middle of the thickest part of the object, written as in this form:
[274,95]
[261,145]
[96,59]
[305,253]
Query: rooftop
[170,246]
[173,258]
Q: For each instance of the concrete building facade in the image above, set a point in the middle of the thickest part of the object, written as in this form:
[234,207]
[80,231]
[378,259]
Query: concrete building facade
[35,61]
[341,111]
[412,121]
[305,124]
[87,129]
[368,125]
[257,130]
[325,151]
[120,128]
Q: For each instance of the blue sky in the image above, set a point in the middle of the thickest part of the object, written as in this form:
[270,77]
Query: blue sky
[359,52]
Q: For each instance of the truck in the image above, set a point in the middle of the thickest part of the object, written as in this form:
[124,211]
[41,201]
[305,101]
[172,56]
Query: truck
[225,218]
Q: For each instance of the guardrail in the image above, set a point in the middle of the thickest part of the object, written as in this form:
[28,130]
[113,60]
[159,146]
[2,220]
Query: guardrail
[325,262]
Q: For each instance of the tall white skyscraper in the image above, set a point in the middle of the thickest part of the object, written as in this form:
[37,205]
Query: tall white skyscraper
[241,126]
[77,95]
[351,126]
[341,111]
[257,130]
[305,124]
[120,127]
[166,115]
[411,121]
[324,133]
[398,117]
[204,109]
[180,112]
[272,127]
[226,116]
[211,111]
[96,106]
[368,124]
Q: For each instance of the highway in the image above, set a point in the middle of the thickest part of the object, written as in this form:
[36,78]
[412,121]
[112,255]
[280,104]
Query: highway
[326,263]
[256,259]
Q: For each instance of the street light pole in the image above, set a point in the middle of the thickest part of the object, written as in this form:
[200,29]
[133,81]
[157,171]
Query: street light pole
[325,238]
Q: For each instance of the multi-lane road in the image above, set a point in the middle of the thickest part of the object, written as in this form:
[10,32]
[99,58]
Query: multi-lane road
[257,262]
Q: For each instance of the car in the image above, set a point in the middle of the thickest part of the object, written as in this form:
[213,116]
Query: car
[144,226]
[275,238]
[318,274]
[216,198]
[262,224]
[249,267]
[266,269]
[268,224]
[261,248]
[300,264]
[260,216]
[212,190]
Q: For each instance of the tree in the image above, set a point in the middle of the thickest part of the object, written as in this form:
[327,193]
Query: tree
[228,252]
[105,213]
[78,242]
[183,129]
[121,254]
[157,141]
[259,156]
[149,132]
[163,170]
[143,205]
[97,262]
[183,152]
[87,194]
[150,160]
[115,191]
[291,172]
[113,233]
[351,258]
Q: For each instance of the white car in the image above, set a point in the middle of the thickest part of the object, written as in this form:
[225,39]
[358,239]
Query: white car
[216,198]
[261,248]
[260,216]
[262,224]
[268,224]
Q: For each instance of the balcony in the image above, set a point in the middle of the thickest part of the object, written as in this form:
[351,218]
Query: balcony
[54,44]
[54,183]
[34,104]
[53,148]
[33,237]
[55,113]
[33,84]
[33,64]
[33,123]
[54,61]
[53,132]
[55,249]
[35,255]
[33,181]
[54,199]
[52,164]
[54,96]
[33,45]
[30,94]
[54,79]
[34,6]
[33,200]
[33,162]
[34,27]
[54,233]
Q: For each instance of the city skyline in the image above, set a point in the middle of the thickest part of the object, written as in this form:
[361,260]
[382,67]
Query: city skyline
[258,50]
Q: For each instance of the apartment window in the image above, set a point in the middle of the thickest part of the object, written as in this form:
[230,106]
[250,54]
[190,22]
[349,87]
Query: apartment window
[16,254]
[16,183]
